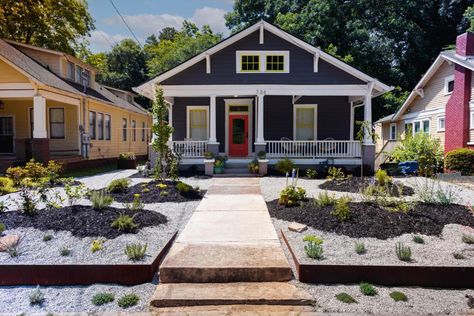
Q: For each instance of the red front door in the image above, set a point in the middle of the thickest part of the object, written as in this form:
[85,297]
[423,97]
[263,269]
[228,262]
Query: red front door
[238,135]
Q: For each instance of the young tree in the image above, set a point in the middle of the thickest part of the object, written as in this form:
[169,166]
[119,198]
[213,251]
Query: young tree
[167,162]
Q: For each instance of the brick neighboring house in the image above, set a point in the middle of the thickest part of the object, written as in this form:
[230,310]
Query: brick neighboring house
[441,104]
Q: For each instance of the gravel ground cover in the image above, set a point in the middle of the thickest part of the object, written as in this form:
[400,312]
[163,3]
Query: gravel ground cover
[357,184]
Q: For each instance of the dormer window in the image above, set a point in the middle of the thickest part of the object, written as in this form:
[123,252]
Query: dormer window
[262,61]
[71,71]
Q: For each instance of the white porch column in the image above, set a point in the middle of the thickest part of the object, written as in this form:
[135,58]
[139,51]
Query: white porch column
[368,112]
[260,137]
[212,124]
[39,117]
[170,101]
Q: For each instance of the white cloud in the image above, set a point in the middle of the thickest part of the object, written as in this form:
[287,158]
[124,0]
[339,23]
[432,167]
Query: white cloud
[211,16]
[102,41]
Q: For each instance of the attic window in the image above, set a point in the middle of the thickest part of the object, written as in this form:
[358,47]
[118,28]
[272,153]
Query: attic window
[448,85]
[250,63]
[262,61]
[71,70]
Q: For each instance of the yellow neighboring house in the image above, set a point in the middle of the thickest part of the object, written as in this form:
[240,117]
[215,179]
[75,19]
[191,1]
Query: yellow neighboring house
[51,107]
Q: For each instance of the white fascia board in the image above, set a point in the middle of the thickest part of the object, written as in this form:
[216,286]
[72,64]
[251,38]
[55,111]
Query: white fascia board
[224,90]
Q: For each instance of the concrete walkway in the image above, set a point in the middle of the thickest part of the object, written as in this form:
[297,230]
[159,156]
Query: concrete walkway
[228,244]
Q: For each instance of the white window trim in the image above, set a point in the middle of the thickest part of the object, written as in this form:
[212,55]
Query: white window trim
[49,122]
[446,81]
[390,131]
[471,117]
[232,102]
[263,60]
[189,108]
[438,128]
[306,106]
[412,122]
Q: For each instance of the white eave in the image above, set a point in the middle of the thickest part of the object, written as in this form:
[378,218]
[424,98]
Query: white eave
[147,88]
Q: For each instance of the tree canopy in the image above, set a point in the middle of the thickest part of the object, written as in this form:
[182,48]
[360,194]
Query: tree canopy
[52,24]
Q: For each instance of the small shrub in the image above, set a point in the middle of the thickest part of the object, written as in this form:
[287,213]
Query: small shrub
[47,237]
[124,223]
[118,185]
[74,192]
[382,178]
[96,245]
[161,186]
[16,174]
[292,195]
[164,193]
[183,187]
[418,239]
[360,248]
[314,250]
[136,204]
[461,160]
[403,252]
[367,289]
[100,200]
[398,296]
[432,192]
[468,239]
[65,252]
[54,170]
[6,186]
[127,156]
[314,239]
[36,297]
[403,207]
[128,300]
[208,155]
[261,155]
[28,201]
[102,298]
[145,190]
[311,173]
[2,228]
[458,255]
[135,252]
[345,298]
[335,173]
[341,209]
[325,199]
[3,207]
[285,165]
[253,166]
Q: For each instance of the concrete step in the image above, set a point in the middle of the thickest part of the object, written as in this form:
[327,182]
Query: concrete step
[222,263]
[228,310]
[266,293]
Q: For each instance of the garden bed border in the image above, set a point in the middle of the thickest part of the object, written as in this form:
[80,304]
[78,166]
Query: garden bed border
[82,274]
[390,275]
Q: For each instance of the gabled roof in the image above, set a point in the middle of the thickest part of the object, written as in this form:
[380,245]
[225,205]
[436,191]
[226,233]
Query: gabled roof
[148,86]
[39,74]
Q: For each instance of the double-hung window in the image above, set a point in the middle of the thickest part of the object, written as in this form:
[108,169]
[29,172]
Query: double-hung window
[71,71]
[441,124]
[275,63]
[107,127]
[92,125]
[79,74]
[134,130]
[421,126]
[305,122]
[262,61]
[143,131]
[124,129]
[393,131]
[197,122]
[249,63]
[56,123]
[100,126]
[448,84]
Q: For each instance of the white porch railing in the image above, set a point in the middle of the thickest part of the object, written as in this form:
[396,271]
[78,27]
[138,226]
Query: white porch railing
[313,149]
[189,148]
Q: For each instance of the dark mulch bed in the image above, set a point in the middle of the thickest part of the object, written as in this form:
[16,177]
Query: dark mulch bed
[356,185]
[154,193]
[82,221]
[370,220]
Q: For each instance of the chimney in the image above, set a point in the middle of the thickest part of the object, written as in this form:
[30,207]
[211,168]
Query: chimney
[465,44]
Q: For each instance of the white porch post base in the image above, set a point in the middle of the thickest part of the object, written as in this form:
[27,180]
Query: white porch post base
[39,117]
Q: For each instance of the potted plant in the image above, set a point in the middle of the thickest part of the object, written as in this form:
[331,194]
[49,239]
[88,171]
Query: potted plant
[209,155]
[127,161]
[253,166]
[262,163]
[209,163]
[219,166]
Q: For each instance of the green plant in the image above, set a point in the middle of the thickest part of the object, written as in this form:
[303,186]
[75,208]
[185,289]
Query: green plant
[128,300]
[74,192]
[285,166]
[313,247]
[345,298]
[418,239]
[164,193]
[136,204]
[461,160]
[208,155]
[325,199]
[468,239]
[145,190]
[341,209]
[127,156]
[403,206]
[360,248]
[423,148]
[65,252]
[36,297]
[219,163]
[96,245]
[28,201]
[47,237]
[335,174]
[458,255]
[367,289]
[311,173]
[161,186]
[253,166]
[183,187]
[54,170]
[398,296]
[382,178]
[118,185]
[100,200]
[16,174]
[3,207]
[6,186]
[261,155]
[291,196]
[403,252]
[2,228]
[135,252]
[102,298]
[432,192]
[124,223]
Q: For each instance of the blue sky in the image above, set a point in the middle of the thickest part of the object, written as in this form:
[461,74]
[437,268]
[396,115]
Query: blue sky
[147,17]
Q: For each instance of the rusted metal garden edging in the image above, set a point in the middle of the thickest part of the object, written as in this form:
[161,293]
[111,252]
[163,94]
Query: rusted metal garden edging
[391,275]
[81,274]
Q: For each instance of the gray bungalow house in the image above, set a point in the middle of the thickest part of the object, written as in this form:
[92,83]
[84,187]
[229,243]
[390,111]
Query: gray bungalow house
[263,89]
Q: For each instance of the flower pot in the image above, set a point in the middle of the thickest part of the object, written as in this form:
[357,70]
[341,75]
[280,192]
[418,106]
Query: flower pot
[127,164]
[218,170]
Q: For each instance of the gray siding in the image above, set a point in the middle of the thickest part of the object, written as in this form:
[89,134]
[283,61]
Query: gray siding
[223,67]
[179,114]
